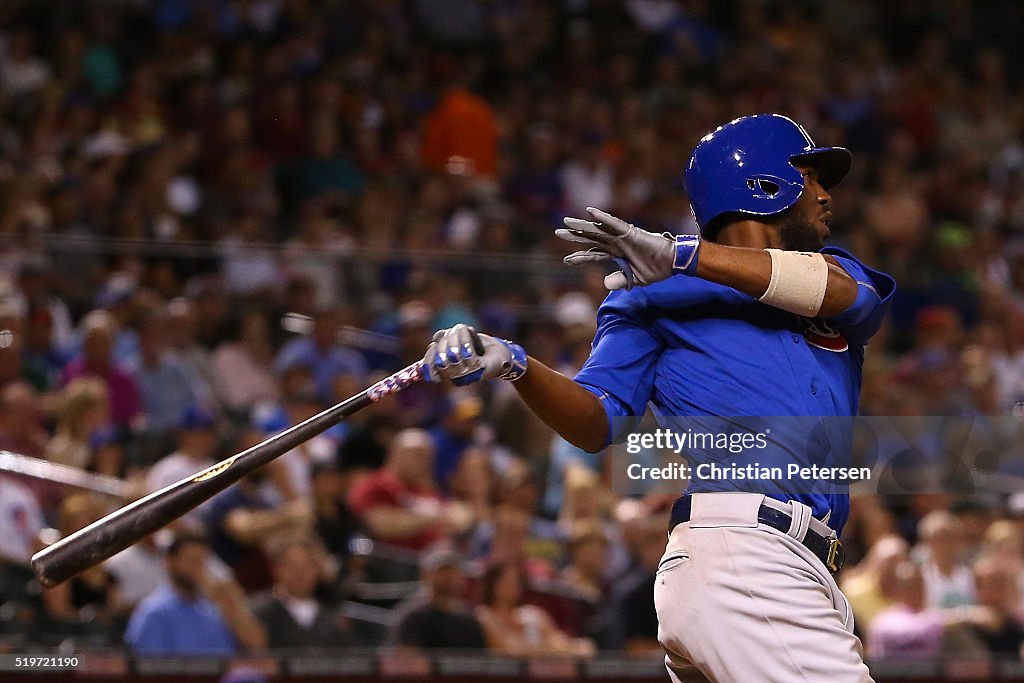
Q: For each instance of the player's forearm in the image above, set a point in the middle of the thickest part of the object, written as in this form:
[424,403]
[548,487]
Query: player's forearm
[562,404]
[750,271]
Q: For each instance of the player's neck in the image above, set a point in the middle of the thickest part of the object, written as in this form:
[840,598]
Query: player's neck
[749,234]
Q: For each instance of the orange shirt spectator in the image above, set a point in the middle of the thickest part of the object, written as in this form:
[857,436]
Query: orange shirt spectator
[461,125]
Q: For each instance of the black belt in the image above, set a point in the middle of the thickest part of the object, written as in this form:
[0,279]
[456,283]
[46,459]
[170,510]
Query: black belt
[828,549]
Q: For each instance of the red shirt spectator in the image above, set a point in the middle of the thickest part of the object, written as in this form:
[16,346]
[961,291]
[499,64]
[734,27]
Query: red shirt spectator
[399,502]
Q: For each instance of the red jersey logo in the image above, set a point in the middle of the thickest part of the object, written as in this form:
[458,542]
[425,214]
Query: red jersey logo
[819,333]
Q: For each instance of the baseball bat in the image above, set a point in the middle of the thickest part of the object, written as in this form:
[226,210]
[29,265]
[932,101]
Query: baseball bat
[297,323]
[123,527]
[37,468]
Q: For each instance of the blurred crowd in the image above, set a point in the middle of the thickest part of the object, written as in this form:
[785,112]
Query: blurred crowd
[221,216]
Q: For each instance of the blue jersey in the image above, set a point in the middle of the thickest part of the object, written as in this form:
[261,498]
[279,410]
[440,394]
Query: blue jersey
[694,348]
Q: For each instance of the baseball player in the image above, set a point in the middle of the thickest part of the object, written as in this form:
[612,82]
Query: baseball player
[754,316]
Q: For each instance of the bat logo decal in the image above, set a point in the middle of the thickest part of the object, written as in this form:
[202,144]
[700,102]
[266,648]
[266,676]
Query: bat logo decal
[215,470]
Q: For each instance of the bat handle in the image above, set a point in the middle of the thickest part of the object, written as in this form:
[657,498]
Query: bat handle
[405,377]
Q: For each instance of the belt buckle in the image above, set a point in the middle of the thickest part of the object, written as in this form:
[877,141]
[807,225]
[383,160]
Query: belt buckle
[836,555]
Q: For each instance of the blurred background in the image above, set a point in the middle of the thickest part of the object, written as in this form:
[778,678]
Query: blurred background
[221,216]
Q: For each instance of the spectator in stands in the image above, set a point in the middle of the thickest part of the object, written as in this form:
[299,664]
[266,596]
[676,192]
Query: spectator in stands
[35,285]
[453,435]
[23,520]
[107,453]
[21,423]
[194,613]
[911,629]
[998,591]
[321,353]
[121,296]
[164,387]
[48,327]
[22,432]
[95,588]
[371,430]
[947,579]
[519,487]
[589,178]
[631,622]
[461,125]
[98,332]
[1004,540]
[242,519]
[242,364]
[584,499]
[977,515]
[313,255]
[23,72]
[138,570]
[515,628]
[336,524]
[290,475]
[12,352]
[212,305]
[191,356]
[439,619]
[84,409]
[197,444]
[503,539]
[249,267]
[868,586]
[325,172]
[42,361]
[399,502]
[290,611]
[535,189]
[588,558]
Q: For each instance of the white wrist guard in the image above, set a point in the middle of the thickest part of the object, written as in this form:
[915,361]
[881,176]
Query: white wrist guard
[798,283]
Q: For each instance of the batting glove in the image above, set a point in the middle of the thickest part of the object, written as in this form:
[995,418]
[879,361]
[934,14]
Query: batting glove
[464,356]
[643,257]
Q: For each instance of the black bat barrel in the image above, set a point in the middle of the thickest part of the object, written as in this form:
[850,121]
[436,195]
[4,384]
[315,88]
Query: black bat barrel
[128,525]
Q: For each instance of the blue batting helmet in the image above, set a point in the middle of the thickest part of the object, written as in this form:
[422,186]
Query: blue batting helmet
[747,167]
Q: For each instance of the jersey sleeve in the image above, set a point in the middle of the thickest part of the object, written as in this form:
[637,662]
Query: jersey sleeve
[860,321]
[620,369]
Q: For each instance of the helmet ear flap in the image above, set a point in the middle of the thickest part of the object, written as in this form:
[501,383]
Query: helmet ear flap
[765,186]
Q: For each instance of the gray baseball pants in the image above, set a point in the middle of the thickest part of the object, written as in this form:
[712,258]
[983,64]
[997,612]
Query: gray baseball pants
[742,602]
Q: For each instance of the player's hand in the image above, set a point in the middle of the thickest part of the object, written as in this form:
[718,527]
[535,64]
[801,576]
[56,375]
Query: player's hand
[464,356]
[643,257]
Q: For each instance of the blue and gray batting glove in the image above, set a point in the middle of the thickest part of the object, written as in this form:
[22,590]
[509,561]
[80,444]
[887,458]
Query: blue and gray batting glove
[464,356]
[643,257]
